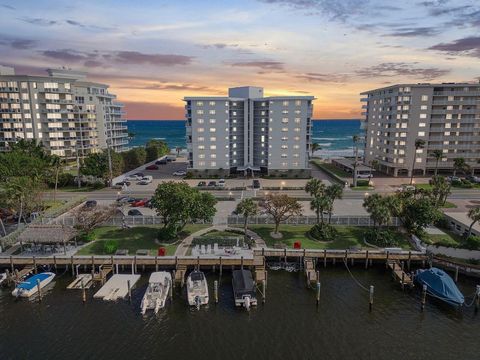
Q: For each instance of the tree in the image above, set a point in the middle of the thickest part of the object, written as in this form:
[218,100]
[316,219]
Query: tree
[177,203]
[355,139]
[26,158]
[373,164]
[246,207]
[155,149]
[133,158]
[314,147]
[441,188]
[474,215]
[56,163]
[281,207]
[332,192]
[459,164]
[96,164]
[419,144]
[316,189]
[437,155]
[380,209]
[87,218]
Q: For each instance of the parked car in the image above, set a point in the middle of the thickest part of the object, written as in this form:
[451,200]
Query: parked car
[139,174]
[171,158]
[406,188]
[453,178]
[473,179]
[152,167]
[134,212]
[122,183]
[364,175]
[90,204]
[168,159]
[202,184]
[132,178]
[212,184]
[139,203]
[221,183]
[256,184]
[145,180]
[125,200]
[180,173]
[161,161]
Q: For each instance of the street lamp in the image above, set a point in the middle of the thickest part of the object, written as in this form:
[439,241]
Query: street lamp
[282,185]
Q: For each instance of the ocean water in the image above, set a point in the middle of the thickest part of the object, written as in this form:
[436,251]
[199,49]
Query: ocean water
[334,136]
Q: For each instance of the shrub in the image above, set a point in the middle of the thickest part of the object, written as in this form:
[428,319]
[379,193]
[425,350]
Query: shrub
[472,243]
[110,246]
[189,175]
[323,232]
[362,182]
[456,183]
[381,237]
[442,223]
[86,237]
[167,235]
[98,185]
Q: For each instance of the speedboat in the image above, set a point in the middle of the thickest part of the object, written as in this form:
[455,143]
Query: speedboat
[3,277]
[244,288]
[29,286]
[197,289]
[156,295]
[440,285]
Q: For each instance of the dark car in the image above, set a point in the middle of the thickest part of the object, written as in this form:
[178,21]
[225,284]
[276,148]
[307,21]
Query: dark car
[152,167]
[473,179]
[139,174]
[202,184]
[134,212]
[161,162]
[212,183]
[124,182]
[90,204]
[168,159]
[256,184]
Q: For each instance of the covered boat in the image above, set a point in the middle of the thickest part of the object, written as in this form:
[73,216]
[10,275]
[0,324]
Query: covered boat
[157,291]
[29,286]
[440,285]
[244,288]
[197,289]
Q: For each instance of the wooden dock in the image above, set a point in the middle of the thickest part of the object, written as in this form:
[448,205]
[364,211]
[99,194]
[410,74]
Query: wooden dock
[399,274]
[102,274]
[117,287]
[260,270]
[77,283]
[311,274]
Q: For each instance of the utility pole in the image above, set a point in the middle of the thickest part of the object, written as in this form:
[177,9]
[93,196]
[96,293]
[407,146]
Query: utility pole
[109,163]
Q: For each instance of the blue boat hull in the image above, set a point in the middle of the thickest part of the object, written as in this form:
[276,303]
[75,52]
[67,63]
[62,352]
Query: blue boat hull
[440,285]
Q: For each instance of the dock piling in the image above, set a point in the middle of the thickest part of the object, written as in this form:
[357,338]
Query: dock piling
[409,260]
[477,299]
[215,291]
[39,290]
[55,263]
[34,264]
[424,296]
[264,291]
[84,294]
[366,260]
[318,292]
[220,270]
[324,258]
[456,273]
[403,280]
[170,289]
[370,302]
[129,291]
[386,261]
[241,263]
[156,263]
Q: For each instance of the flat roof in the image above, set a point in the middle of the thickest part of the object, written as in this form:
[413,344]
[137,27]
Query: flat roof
[419,85]
[349,163]
[462,217]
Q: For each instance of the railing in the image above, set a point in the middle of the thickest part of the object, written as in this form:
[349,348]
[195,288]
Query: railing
[310,220]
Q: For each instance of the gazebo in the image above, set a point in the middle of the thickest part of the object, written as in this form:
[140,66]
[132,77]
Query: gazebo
[47,235]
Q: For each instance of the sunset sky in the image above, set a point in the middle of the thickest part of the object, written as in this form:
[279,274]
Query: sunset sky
[153,53]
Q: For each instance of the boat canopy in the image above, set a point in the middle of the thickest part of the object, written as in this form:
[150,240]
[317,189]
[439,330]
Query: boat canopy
[196,276]
[441,285]
[243,282]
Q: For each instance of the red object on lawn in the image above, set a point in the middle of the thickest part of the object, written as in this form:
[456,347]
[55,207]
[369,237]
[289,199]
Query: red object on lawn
[297,245]
[162,251]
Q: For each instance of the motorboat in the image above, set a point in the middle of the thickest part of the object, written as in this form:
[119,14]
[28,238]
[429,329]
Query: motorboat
[3,278]
[197,289]
[157,291]
[440,285]
[29,287]
[244,288]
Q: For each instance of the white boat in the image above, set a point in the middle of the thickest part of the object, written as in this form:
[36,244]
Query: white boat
[157,291]
[244,288]
[3,277]
[29,286]
[197,289]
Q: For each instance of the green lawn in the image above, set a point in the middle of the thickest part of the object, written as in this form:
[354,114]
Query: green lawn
[362,188]
[449,205]
[133,239]
[347,237]
[449,238]
[220,234]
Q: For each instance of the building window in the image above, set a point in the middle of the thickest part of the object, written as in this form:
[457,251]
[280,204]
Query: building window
[284,156]
[200,130]
[298,102]
[213,163]
[200,121]
[213,129]
[421,133]
[284,129]
[212,121]
[213,147]
[200,112]
[296,129]
[201,156]
[424,97]
[199,103]
[213,138]
[201,138]
[285,120]
[285,103]
[211,112]
[422,125]
[213,156]
[284,146]
[211,103]
[423,116]
[201,147]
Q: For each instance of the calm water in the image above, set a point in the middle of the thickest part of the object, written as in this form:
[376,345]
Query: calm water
[289,326]
[334,136]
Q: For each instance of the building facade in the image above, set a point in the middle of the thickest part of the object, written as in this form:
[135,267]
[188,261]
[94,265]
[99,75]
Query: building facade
[247,132]
[70,116]
[445,116]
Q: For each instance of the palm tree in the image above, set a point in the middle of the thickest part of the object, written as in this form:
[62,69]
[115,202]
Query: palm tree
[373,164]
[56,163]
[315,187]
[459,164]
[355,139]
[247,207]
[419,144]
[437,154]
[314,147]
[474,215]
[378,208]
[332,193]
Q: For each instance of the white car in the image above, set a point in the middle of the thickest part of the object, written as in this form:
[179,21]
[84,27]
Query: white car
[146,180]
[364,176]
[133,178]
[221,183]
[180,173]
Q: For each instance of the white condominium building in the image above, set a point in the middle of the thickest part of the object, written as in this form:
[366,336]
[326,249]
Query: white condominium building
[445,116]
[247,132]
[69,115]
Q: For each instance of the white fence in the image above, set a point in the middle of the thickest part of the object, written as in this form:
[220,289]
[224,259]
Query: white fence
[115,221]
[310,220]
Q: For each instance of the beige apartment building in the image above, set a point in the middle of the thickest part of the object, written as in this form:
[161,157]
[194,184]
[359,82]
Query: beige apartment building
[69,115]
[446,116]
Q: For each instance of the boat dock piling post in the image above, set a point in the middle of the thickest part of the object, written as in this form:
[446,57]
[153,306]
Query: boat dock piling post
[386,261]
[403,280]
[156,263]
[424,296]
[318,275]
[264,290]
[456,273]
[84,294]
[55,262]
[170,289]
[34,264]
[318,292]
[11,264]
[129,291]
[71,264]
[133,267]
[198,263]
[116,266]
[39,290]
[241,263]
[215,291]
[477,299]
[370,302]
[409,259]
[220,270]
[366,260]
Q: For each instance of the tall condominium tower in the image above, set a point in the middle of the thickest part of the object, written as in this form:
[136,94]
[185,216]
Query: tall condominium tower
[445,116]
[247,132]
[69,115]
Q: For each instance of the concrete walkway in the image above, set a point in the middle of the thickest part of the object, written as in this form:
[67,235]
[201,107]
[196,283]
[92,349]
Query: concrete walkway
[183,247]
